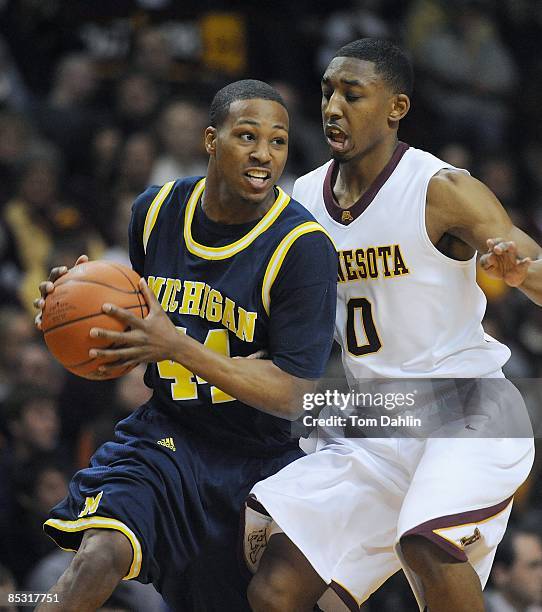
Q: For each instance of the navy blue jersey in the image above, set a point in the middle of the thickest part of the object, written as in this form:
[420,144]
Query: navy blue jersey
[270,284]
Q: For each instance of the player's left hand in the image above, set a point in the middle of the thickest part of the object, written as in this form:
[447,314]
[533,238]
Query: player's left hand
[147,340]
[502,261]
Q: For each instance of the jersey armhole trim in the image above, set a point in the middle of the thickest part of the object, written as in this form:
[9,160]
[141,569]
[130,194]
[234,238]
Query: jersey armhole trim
[101,522]
[277,259]
[423,227]
[152,213]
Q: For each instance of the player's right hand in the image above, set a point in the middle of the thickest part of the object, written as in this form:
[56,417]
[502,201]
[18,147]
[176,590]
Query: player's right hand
[47,287]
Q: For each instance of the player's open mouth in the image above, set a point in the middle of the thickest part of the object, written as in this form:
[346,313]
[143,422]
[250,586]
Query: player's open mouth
[258,178]
[336,138]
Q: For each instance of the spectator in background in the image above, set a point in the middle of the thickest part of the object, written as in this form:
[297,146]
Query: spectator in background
[180,128]
[37,216]
[153,55]
[16,331]
[136,102]
[476,84]
[37,489]
[516,576]
[29,476]
[499,173]
[456,154]
[36,366]
[93,188]
[67,118]
[117,234]
[137,160]
[361,20]
[33,424]
[16,139]
[7,586]
[13,92]
[306,147]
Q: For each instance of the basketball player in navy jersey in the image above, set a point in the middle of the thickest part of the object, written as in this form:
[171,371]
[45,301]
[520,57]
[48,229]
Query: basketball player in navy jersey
[407,227]
[232,266]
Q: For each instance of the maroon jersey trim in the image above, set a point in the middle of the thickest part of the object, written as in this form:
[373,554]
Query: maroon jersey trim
[345,216]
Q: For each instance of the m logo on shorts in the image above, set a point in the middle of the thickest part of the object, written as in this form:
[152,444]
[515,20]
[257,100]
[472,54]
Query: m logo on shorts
[257,541]
[91,505]
[465,541]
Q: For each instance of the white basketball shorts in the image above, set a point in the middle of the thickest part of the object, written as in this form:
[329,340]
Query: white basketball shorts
[347,506]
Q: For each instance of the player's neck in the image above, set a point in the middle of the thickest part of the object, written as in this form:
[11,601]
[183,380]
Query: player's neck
[223,206]
[357,175]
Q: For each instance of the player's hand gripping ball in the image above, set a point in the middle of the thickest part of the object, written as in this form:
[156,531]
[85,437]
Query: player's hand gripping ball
[75,306]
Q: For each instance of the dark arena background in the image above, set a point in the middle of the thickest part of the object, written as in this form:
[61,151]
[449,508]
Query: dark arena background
[99,99]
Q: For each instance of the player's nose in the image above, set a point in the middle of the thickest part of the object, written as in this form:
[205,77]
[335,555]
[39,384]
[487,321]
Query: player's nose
[261,153]
[333,108]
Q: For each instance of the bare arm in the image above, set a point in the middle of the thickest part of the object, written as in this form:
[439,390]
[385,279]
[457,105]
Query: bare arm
[462,206]
[258,383]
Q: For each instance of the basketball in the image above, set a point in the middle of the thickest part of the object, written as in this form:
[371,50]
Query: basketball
[75,307]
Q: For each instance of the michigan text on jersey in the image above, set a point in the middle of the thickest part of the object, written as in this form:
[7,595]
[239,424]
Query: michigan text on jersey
[199,299]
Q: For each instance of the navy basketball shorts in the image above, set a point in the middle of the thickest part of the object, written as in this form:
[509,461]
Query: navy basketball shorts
[177,498]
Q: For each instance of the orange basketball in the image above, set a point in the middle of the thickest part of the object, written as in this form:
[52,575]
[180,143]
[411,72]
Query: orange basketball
[75,306]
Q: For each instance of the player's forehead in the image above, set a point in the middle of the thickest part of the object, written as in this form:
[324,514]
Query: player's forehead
[350,71]
[258,112]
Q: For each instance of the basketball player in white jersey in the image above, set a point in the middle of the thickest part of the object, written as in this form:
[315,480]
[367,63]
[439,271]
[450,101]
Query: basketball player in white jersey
[407,226]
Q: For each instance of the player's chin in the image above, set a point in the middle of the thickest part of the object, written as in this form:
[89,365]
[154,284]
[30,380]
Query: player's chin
[342,155]
[257,196]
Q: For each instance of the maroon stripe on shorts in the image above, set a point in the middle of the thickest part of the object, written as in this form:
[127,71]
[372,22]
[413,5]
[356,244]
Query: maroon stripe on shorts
[345,596]
[253,503]
[455,520]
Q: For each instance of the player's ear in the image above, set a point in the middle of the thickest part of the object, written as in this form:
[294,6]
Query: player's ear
[400,107]
[210,140]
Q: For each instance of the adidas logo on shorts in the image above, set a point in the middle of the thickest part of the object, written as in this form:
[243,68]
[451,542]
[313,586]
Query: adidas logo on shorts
[168,443]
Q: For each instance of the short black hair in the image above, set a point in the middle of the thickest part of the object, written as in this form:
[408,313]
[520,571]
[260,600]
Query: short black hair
[390,61]
[247,89]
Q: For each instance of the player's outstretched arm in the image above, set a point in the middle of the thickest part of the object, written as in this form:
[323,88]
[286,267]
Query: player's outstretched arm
[464,207]
[256,382]
[47,287]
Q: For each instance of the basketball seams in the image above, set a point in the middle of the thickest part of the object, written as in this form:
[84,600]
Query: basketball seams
[94,282]
[90,316]
[136,289]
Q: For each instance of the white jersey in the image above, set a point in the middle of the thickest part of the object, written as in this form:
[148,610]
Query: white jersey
[404,309]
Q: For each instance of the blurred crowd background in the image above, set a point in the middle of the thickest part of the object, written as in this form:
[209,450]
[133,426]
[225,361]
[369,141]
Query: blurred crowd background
[100,99]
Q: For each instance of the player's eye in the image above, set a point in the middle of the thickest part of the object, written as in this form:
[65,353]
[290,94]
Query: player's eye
[279,141]
[247,136]
[351,98]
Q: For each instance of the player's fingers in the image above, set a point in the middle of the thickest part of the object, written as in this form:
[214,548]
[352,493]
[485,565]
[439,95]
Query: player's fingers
[106,334]
[111,355]
[258,355]
[57,272]
[491,242]
[487,261]
[38,303]
[109,367]
[45,288]
[81,259]
[122,314]
[37,321]
[505,247]
[116,357]
[149,296]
